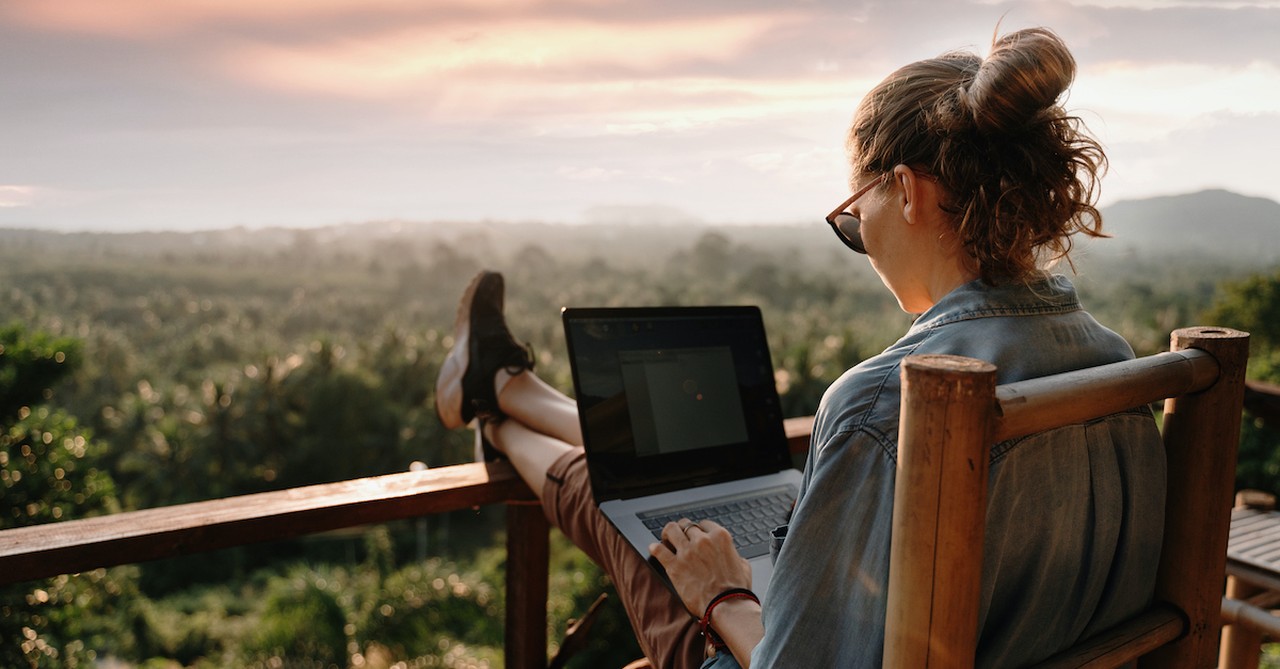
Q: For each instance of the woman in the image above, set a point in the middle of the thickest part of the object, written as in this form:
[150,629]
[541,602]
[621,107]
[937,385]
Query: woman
[969,180]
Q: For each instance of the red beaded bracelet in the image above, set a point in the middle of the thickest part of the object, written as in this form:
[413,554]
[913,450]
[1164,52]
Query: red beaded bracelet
[732,593]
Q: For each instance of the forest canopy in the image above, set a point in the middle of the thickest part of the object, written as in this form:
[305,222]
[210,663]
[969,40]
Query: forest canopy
[151,369]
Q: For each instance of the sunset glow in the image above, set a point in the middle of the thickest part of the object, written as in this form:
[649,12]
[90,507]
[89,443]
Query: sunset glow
[475,55]
[212,113]
[16,196]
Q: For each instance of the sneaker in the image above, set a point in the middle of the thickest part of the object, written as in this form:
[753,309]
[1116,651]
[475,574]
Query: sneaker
[482,345]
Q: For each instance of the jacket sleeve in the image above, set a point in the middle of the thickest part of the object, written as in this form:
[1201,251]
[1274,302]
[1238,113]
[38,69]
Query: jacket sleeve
[825,604]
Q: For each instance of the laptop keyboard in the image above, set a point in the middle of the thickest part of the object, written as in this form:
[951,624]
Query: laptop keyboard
[750,518]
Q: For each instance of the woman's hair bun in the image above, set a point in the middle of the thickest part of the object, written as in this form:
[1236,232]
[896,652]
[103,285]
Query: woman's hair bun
[1025,74]
[1016,173]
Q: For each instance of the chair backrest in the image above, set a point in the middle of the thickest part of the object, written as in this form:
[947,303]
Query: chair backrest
[953,411]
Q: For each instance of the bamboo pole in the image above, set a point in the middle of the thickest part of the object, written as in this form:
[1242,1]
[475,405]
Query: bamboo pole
[1201,434]
[1035,405]
[1249,615]
[1242,644]
[935,554]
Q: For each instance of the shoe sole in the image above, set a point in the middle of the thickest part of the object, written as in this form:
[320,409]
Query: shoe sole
[449,392]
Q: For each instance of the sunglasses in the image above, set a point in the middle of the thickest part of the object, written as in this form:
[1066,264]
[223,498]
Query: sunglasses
[847,226]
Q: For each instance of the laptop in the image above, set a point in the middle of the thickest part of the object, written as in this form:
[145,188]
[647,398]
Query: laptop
[681,419]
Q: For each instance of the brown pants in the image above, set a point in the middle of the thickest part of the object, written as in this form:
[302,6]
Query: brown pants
[668,634]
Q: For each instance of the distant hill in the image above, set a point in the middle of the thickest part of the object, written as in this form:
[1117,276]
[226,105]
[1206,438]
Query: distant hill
[1212,225]
[1211,222]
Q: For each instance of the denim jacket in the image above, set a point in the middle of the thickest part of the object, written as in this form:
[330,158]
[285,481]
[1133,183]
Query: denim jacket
[1074,515]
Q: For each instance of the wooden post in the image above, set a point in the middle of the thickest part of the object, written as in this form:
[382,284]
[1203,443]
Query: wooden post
[528,562]
[944,445]
[1201,435]
[1241,644]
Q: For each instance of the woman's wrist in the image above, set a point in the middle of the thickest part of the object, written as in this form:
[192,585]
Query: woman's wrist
[737,623]
[722,601]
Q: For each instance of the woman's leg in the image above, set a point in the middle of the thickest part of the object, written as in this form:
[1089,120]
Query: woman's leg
[667,634]
[531,452]
[536,437]
[528,399]
[537,428]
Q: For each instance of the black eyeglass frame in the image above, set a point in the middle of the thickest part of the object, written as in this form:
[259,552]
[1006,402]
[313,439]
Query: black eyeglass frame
[847,226]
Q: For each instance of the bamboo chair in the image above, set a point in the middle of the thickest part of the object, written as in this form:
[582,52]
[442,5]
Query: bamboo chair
[952,412]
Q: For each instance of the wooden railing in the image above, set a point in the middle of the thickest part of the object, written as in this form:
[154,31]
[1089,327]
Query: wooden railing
[40,551]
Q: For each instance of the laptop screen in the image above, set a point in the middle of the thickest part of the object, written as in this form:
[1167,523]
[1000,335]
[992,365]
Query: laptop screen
[673,397]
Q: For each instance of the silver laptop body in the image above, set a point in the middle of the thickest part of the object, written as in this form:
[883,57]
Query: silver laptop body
[680,418]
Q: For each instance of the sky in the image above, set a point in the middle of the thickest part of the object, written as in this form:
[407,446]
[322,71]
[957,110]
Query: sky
[128,115]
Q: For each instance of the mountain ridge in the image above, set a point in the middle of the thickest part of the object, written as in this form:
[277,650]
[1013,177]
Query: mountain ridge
[1214,222]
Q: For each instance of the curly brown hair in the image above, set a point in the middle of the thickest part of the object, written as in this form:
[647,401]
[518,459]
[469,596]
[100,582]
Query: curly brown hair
[1020,174]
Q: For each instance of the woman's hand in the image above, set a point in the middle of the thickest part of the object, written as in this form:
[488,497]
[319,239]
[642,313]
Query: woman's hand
[701,562]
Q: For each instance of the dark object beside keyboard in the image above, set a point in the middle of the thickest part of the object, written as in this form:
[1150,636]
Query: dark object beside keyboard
[749,518]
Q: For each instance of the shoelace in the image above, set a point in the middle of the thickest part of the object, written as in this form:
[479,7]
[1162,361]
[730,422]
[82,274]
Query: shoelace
[521,358]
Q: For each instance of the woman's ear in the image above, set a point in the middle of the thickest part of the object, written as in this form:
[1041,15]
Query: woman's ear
[919,201]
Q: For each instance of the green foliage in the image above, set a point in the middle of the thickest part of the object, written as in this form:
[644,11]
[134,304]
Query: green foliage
[67,621]
[1252,304]
[31,364]
[189,368]
[575,583]
[302,621]
[48,472]
[424,609]
[1258,460]
[198,627]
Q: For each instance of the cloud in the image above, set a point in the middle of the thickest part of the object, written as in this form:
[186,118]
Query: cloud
[1218,150]
[149,19]
[1148,102]
[588,173]
[800,166]
[17,196]
[1210,33]
[476,53]
[216,112]
[561,77]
